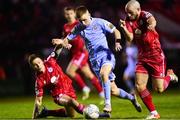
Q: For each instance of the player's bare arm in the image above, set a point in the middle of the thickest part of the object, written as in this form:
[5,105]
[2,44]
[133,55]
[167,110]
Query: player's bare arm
[117,35]
[151,23]
[64,42]
[37,104]
[128,35]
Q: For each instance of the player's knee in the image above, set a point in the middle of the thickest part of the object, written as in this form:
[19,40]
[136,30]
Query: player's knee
[159,90]
[104,76]
[140,87]
[69,101]
[70,73]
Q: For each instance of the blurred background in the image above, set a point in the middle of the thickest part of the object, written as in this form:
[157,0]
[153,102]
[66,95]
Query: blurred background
[27,26]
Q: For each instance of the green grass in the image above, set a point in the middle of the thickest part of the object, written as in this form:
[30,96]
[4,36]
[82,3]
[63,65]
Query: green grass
[167,104]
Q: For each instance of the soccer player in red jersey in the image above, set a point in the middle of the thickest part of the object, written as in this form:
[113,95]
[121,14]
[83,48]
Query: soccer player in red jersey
[79,56]
[139,26]
[49,74]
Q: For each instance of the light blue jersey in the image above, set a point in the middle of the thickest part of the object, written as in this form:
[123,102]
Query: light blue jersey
[96,43]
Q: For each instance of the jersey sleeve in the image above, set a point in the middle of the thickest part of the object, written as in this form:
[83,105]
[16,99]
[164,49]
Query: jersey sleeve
[107,26]
[38,88]
[75,31]
[146,15]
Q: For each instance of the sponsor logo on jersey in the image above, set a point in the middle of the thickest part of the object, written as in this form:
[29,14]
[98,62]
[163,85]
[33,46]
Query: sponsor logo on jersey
[54,79]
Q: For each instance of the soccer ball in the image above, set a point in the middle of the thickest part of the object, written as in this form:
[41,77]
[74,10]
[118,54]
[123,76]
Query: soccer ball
[91,111]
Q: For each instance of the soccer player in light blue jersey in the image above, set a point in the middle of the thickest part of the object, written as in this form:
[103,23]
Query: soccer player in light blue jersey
[102,60]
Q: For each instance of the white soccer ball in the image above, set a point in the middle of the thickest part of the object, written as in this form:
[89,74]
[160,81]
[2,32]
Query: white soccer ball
[91,111]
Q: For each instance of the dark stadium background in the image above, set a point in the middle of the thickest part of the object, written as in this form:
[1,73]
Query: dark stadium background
[27,26]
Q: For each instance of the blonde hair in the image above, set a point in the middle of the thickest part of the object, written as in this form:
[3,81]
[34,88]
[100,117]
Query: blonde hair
[133,3]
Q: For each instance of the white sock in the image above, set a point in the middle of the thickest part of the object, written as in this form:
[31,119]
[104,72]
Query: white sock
[101,94]
[86,89]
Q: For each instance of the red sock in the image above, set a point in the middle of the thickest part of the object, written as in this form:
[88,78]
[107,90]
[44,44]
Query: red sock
[80,108]
[147,99]
[166,81]
[79,81]
[96,84]
[57,113]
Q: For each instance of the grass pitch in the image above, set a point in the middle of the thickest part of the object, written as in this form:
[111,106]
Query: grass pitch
[167,104]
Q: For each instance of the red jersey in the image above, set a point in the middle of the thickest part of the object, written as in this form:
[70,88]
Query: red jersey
[147,41]
[54,79]
[77,43]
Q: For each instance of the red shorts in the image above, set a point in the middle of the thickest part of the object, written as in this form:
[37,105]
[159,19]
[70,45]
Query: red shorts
[80,58]
[154,66]
[70,93]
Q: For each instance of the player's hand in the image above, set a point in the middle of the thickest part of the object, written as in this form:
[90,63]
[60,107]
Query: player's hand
[122,23]
[61,42]
[57,41]
[118,46]
[68,46]
[151,27]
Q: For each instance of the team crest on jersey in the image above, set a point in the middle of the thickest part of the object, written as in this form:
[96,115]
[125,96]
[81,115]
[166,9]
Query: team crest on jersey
[138,31]
[50,69]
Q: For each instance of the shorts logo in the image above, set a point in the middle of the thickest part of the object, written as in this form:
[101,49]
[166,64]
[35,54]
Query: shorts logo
[50,69]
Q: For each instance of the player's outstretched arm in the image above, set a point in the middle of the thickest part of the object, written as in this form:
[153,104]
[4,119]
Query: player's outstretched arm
[128,35]
[37,104]
[117,36]
[64,42]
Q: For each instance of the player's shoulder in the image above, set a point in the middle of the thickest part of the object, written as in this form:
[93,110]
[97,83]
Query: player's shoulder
[99,20]
[145,14]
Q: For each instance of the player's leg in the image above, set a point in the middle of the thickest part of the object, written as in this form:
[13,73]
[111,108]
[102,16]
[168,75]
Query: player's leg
[161,84]
[129,74]
[70,111]
[67,101]
[89,75]
[118,92]
[56,113]
[104,73]
[127,80]
[141,83]
[72,72]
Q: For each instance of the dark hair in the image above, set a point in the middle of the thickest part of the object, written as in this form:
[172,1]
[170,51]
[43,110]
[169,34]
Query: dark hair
[80,11]
[31,58]
[69,8]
